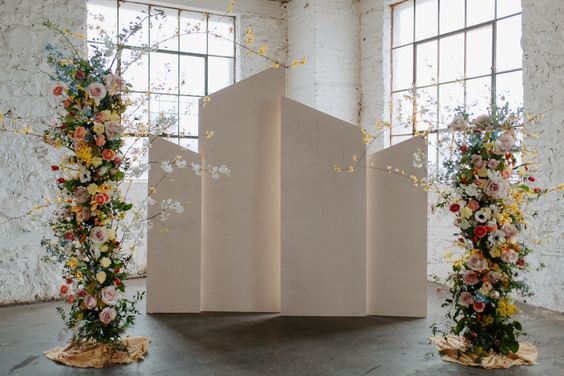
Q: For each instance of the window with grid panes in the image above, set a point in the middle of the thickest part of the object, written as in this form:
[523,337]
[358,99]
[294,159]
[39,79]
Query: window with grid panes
[183,68]
[448,54]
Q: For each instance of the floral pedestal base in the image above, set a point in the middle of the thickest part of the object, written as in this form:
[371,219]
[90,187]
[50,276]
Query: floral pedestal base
[452,349]
[96,355]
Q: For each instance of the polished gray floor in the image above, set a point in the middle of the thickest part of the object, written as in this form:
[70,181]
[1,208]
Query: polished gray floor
[266,344]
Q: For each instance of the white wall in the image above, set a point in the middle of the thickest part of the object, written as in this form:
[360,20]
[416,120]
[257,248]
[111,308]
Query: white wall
[26,180]
[327,32]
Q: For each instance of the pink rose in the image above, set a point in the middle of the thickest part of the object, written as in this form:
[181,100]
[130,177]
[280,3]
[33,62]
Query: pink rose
[473,205]
[99,234]
[100,140]
[497,188]
[509,230]
[80,133]
[90,302]
[506,173]
[492,163]
[477,263]
[493,277]
[466,299]
[504,143]
[83,215]
[510,256]
[96,91]
[113,129]
[479,306]
[108,154]
[114,84]
[81,195]
[109,295]
[107,315]
[471,278]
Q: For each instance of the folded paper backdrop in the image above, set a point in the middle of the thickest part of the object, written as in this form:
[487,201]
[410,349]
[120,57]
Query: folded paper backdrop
[286,233]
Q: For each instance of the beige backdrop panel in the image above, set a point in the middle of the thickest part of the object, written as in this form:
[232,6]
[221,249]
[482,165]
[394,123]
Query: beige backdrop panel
[397,234]
[241,217]
[323,215]
[173,258]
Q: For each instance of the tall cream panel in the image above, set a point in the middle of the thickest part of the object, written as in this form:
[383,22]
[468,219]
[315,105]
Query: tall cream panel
[397,234]
[174,256]
[323,215]
[241,216]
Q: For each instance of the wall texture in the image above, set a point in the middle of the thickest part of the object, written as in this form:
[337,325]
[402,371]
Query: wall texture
[27,180]
[327,33]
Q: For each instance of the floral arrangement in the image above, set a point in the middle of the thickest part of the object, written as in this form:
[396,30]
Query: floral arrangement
[91,205]
[490,190]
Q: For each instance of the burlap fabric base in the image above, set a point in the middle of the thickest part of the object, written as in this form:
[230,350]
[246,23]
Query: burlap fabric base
[95,355]
[452,349]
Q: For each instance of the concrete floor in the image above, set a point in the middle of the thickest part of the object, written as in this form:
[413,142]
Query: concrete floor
[266,344]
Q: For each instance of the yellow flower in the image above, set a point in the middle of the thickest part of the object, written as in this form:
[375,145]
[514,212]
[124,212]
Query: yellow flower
[111,234]
[466,212]
[78,275]
[105,187]
[483,173]
[84,153]
[488,320]
[506,308]
[495,252]
[92,189]
[101,277]
[97,161]
[104,248]
[73,262]
[58,143]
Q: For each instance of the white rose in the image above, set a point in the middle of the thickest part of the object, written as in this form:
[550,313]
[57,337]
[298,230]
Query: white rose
[458,124]
[114,84]
[113,129]
[99,234]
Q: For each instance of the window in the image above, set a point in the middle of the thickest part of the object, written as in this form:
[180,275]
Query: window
[189,62]
[451,53]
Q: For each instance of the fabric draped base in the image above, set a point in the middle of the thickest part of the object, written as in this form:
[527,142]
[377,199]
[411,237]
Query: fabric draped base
[452,349]
[96,355]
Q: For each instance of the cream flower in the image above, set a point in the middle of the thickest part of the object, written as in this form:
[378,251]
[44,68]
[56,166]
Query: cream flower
[114,84]
[101,276]
[458,124]
[105,262]
[96,91]
[99,234]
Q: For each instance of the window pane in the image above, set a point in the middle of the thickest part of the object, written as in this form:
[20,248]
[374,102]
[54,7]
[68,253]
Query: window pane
[102,19]
[451,59]
[451,101]
[192,75]
[402,67]
[164,29]
[427,63]
[479,52]
[402,112]
[220,73]
[426,18]
[480,11]
[220,37]
[188,116]
[164,110]
[478,95]
[509,54]
[136,115]
[426,109]
[131,15]
[135,69]
[135,152]
[397,139]
[452,15]
[403,23]
[507,7]
[193,32]
[509,89]
[164,72]
[189,143]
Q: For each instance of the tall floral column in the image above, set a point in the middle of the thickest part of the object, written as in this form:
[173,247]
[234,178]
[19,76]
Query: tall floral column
[90,208]
[490,190]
